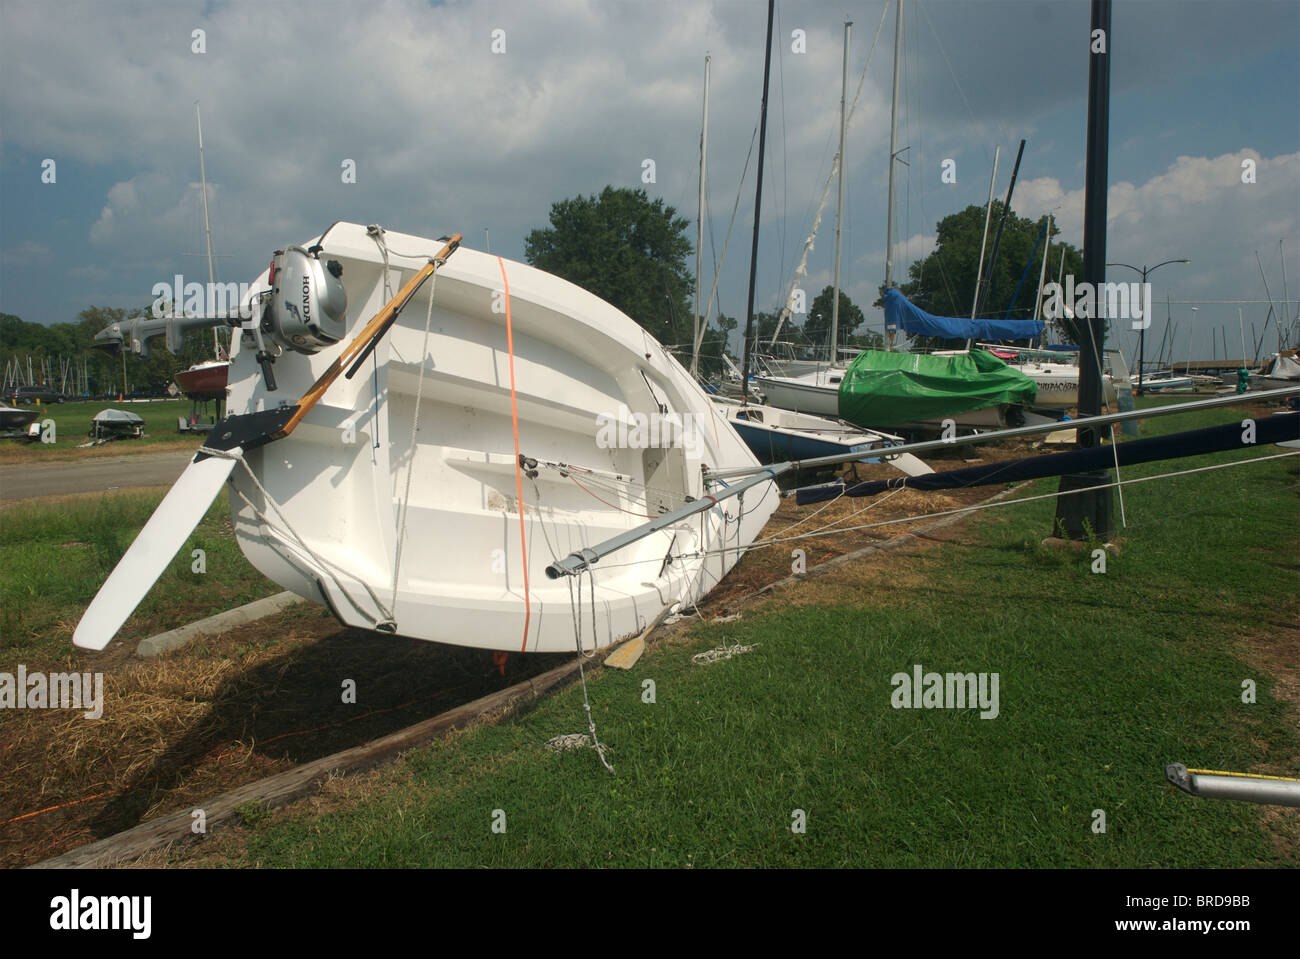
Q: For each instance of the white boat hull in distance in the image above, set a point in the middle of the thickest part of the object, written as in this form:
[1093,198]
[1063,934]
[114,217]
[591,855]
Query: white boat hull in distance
[817,392]
[1058,384]
[593,390]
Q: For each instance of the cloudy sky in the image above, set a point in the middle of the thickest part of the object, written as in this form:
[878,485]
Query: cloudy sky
[448,134]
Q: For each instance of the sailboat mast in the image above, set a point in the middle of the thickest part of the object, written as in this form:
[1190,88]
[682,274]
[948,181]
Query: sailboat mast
[1169,319]
[1042,274]
[1002,222]
[839,200]
[893,148]
[1284,331]
[758,203]
[699,225]
[1042,277]
[207,226]
[1272,309]
[988,214]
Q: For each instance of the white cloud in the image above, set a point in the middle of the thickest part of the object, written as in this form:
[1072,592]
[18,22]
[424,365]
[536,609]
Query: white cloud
[26,253]
[1199,209]
[447,136]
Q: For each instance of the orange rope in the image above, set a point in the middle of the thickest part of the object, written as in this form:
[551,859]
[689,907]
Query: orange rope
[519,478]
[610,505]
[61,805]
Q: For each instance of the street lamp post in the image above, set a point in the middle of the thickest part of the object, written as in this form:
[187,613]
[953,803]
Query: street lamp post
[1146,315]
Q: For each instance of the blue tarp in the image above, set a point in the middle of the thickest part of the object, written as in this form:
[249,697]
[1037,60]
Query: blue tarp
[901,313]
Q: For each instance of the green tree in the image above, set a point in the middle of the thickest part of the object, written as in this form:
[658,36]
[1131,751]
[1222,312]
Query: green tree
[764,327]
[944,282]
[818,326]
[626,249]
[711,350]
[727,324]
[75,341]
[868,340]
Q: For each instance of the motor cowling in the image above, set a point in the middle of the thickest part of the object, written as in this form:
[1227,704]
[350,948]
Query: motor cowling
[308,306]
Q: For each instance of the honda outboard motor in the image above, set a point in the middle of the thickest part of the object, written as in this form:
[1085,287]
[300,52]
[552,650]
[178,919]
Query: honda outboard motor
[308,308]
[305,310]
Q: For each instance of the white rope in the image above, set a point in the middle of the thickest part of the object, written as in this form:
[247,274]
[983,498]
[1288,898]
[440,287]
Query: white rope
[719,653]
[608,483]
[237,454]
[575,608]
[717,270]
[541,522]
[1025,499]
[843,519]
[1105,406]
[776,541]
[1119,480]
[376,233]
[415,426]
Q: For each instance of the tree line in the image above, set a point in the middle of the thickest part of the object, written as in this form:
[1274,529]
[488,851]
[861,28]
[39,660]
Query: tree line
[20,340]
[633,252]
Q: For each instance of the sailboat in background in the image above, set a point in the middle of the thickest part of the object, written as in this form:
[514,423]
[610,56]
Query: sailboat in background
[775,431]
[207,380]
[817,391]
[912,391]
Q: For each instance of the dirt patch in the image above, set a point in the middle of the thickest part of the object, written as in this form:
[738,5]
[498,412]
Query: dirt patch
[848,525]
[63,499]
[12,454]
[180,729]
[1275,650]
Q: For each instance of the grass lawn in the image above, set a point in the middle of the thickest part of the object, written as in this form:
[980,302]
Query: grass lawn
[54,556]
[1104,677]
[72,427]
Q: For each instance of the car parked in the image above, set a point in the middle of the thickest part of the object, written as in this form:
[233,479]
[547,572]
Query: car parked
[30,394]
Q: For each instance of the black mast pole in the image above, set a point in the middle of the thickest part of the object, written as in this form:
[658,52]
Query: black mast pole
[997,237]
[1090,509]
[758,204]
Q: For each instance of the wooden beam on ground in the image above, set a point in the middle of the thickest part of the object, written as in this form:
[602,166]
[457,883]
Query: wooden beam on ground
[285,787]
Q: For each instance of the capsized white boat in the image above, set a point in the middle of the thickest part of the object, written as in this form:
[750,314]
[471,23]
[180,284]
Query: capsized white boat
[1057,374]
[393,495]
[1166,380]
[1278,372]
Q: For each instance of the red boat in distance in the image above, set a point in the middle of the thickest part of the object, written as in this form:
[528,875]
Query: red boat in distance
[205,381]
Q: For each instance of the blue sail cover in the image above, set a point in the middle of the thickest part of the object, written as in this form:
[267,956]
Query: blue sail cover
[899,312]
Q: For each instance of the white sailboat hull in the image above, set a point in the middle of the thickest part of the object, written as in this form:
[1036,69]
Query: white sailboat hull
[817,392]
[1058,384]
[785,434]
[465,573]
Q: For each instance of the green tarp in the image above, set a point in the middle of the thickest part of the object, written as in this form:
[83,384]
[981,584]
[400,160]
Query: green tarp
[886,389]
